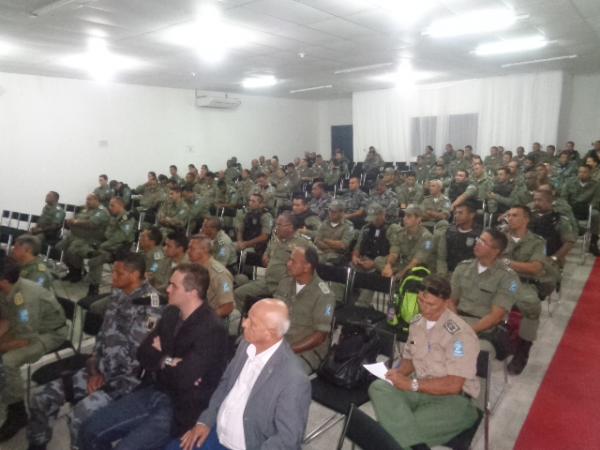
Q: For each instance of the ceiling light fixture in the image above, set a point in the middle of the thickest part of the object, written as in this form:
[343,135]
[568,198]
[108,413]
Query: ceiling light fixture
[314,88]
[99,62]
[406,12]
[405,76]
[50,7]
[536,61]
[361,68]
[475,22]
[511,46]
[260,81]
[209,35]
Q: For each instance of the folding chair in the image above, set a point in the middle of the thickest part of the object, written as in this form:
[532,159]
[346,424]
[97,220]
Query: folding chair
[336,274]
[371,281]
[250,261]
[365,432]
[586,227]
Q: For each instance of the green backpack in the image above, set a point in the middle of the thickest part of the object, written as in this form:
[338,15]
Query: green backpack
[405,305]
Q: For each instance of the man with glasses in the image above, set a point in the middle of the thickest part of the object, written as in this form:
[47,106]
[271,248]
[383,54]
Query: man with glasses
[426,401]
[484,289]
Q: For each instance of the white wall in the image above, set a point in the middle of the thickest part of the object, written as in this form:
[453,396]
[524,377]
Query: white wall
[60,134]
[332,112]
[582,111]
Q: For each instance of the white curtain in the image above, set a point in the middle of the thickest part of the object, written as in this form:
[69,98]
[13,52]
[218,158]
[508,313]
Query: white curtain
[509,111]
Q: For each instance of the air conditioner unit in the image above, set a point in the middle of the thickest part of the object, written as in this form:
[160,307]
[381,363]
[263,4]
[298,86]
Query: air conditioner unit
[211,101]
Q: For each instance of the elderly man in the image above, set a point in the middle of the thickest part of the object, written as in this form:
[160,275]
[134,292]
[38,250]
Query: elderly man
[426,401]
[263,398]
[311,302]
[112,370]
[187,345]
[219,295]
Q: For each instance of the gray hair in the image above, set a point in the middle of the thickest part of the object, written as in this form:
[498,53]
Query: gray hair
[31,242]
[278,317]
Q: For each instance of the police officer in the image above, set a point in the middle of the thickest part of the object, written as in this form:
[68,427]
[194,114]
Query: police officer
[320,199]
[220,289]
[426,401]
[284,240]
[174,176]
[253,227]
[119,235]
[267,192]
[307,222]
[409,192]
[525,254]
[493,161]
[51,219]
[103,191]
[479,188]
[224,249]
[356,203]
[334,236]
[32,323]
[152,197]
[112,370]
[198,206]
[435,206]
[311,304]
[86,233]
[174,213]
[158,266]
[27,253]
[387,198]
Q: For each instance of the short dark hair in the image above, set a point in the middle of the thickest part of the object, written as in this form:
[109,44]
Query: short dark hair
[152,174]
[134,262]
[299,196]
[179,238]
[438,286]
[175,188]
[287,215]
[594,156]
[55,194]
[9,268]
[173,166]
[214,221]
[469,206]
[104,176]
[118,200]
[498,237]
[155,235]
[320,185]
[194,277]
[526,210]
[312,257]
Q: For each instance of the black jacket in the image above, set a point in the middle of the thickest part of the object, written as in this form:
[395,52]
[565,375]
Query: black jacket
[201,341]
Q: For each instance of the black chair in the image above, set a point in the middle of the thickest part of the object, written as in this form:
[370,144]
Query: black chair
[249,262]
[373,282]
[336,274]
[365,432]
[338,398]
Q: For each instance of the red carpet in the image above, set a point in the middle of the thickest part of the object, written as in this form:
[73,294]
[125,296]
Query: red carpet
[566,411]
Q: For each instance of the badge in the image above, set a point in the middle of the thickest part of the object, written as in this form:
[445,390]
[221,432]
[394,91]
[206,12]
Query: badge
[222,251]
[41,267]
[254,221]
[153,267]
[428,245]
[154,300]
[514,286]
[24,315]
[451,327]
[377,233]
[19,300]
[226,287]
[459,349]
[158,256]
[324,288]
[470,241]
[151,322]
[329,311]
[41,280]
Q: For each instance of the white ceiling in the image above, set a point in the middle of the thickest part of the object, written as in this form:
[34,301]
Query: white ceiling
[333,35]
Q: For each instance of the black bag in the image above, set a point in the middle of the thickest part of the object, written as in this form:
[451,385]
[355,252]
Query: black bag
[343,364]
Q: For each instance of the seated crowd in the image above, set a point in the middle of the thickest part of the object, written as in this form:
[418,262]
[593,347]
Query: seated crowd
[493,232]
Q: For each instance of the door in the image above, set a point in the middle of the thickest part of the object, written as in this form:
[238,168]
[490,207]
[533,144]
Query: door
[341,137]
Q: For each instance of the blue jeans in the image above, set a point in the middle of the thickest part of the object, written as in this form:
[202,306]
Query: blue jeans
[212,443]
[141,420]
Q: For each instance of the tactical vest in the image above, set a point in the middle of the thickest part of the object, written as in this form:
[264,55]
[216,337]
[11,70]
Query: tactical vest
[546,226]
[374,242]
[300,219]
[455,190]
[252,225]
[459,246]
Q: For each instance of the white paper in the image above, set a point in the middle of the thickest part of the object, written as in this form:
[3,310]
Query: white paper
[378,369]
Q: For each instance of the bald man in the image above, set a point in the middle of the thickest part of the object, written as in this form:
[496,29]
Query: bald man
[263,398]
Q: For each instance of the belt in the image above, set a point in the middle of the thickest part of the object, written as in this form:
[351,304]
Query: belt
[462,313]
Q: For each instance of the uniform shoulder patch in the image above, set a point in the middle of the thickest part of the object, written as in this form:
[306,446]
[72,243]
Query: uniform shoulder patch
[458,349]
[324,288]
[19,300]
[428,244]
[416,318]
[41,267]
[451,326]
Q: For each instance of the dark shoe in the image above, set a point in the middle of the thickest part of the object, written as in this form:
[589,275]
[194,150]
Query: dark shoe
[521,357]
[94,289]
[16,419]
[594,245]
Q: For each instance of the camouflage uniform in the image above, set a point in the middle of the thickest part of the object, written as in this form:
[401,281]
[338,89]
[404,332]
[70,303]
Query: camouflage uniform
[492,163]
[408,247]
[319,206]
[355,200]
[561,174]
[333,174]
[245,188]
[343,232]
[119,234]
[178,213]
[409,195]
[198,209]
[85,237]
[389,201]
[440,204]
[152,196]
[124,327]
[104,194]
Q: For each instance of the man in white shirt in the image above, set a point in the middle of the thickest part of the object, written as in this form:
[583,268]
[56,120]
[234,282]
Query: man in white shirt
[263,398]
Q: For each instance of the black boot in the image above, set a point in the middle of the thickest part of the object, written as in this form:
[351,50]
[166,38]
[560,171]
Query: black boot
[594,245]
[94,289]
[16,419]
[521,357]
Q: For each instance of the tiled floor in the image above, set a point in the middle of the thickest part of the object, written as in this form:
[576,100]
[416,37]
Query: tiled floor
[511,410]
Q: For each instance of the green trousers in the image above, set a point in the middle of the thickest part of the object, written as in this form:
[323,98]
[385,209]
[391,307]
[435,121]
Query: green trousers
[413,417]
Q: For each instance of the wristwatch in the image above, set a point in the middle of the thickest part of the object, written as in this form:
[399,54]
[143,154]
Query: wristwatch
[168,361]
[414,384]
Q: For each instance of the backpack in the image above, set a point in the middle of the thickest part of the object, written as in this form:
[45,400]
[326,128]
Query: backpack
[405,305]
[343,365]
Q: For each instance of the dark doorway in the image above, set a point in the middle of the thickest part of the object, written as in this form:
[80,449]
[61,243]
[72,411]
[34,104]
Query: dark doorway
[341,137]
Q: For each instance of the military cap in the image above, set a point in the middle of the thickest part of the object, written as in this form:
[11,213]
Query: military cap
[374,210]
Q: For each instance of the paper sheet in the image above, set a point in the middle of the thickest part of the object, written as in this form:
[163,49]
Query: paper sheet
[378,369]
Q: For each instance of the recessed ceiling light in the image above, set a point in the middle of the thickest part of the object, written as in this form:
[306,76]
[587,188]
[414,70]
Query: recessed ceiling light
[406,12]
[475,22]
[511,46]
[313,88]
[259,81]
[301,54]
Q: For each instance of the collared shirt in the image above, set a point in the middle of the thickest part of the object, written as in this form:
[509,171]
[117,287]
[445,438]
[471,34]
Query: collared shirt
[230,419]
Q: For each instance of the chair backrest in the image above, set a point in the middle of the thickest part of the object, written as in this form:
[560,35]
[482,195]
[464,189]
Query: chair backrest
[366,432]
[372,281]
[68,307]
[92,323]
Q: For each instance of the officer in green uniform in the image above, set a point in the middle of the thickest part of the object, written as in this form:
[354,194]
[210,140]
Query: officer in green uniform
[310,303]
[307,221]
[435,206]
[174,213]
[27,253]
[563,170]
[119,234]
[198,206]
[103,191]
[334,236]
[525,254]
[87,232]
[245,187]
[158,266]
[493,161]
[174,176]
[152,196]
[223,247]
[267,192]
[384,196]
[356,201]
[409,192]
[253,227]
[32,323]
[51,219]
[459,163]
[426,401]
[275,258]
[484,290]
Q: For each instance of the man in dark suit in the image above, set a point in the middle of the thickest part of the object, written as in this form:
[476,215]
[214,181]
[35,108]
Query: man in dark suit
[263,398]
[183,358]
